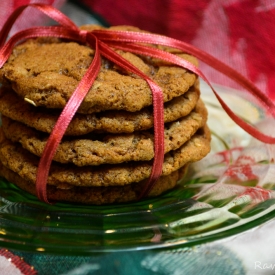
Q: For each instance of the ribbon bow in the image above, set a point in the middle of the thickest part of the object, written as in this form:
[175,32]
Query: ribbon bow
[102,41]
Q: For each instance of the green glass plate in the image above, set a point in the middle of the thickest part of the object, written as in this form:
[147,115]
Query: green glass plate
[209,204]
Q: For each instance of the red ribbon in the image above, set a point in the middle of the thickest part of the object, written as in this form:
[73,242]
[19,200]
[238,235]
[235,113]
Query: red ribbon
[102,41]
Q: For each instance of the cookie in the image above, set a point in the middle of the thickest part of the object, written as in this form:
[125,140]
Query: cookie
[107,153]
[41,119]
[96,195]
[100,149]
[46,71]
[19,160]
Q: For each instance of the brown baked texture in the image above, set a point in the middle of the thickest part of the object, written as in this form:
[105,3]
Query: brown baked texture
[19,160]
[97,195]
[43,120]
[99,149]
[107,152]
[46,72]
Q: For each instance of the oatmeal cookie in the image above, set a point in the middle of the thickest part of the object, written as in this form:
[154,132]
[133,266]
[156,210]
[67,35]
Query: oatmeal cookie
[19,160]
[115,122]
[96,195]
[46,71]
[100,149]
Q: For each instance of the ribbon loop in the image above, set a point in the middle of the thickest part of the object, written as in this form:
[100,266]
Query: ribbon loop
[83,35]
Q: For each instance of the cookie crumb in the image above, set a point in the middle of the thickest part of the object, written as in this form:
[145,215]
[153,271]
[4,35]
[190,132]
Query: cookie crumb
[30,101]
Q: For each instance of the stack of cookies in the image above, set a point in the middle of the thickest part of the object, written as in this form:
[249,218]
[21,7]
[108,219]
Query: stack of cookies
[107,152]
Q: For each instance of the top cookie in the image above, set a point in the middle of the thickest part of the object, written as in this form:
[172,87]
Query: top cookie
[46,71]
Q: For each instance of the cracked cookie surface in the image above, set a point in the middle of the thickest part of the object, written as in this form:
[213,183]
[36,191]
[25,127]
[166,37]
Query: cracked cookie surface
[44,119]
[20,161]
[101,149]
[96,195]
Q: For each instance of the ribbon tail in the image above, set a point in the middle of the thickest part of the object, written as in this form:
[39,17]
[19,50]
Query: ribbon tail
[133,38]
[157,111]
[63,122]
[156,53]
[47,10]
